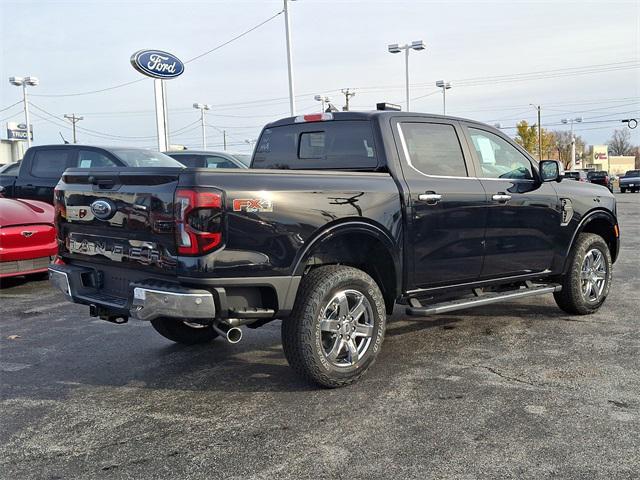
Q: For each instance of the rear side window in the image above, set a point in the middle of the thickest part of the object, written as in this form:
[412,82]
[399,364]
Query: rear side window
[219,162]
[144,158]
[50,163]
[433,149]
[93,159]
[335,145]
[10,170]
[193,161]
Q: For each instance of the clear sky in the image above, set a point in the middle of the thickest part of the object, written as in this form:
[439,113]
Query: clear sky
[572,58]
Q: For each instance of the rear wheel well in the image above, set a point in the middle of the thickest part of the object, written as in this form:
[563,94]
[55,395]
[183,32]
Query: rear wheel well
[605,229]
[362,251]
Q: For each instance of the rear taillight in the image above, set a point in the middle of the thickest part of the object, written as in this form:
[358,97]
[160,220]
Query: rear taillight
[59,205]
[198,217]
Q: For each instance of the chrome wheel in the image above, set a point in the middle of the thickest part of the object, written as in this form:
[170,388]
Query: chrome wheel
[593,275]
[346,326]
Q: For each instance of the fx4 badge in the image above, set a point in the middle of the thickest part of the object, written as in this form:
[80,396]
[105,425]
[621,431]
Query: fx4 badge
[252,205]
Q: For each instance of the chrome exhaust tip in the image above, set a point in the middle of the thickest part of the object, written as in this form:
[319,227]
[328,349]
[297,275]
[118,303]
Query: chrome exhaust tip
[232,334]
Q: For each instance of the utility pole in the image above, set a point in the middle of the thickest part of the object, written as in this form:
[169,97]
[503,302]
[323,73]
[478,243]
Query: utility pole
[537,107]
[287,26]
[347,95]
[73,119]
[539,135]
[224,139]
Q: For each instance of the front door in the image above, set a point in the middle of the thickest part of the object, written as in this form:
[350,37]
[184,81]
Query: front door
[447,204]
[524,217]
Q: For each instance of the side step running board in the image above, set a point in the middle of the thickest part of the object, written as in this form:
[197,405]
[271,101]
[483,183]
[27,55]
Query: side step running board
[416,308]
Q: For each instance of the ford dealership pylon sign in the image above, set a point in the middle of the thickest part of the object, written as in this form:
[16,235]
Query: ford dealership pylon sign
[157,64]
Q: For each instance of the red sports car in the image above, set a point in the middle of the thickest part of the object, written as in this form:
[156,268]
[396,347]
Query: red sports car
[27,237]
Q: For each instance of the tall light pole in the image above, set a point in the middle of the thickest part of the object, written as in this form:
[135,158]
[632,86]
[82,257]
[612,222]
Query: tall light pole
[444,85]
[23,82]
[323,100]
[73,119]
[287,26]
[573,140]
[202,107]
[395,48]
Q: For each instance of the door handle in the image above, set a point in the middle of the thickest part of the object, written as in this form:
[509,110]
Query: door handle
[501,197]
[430,197]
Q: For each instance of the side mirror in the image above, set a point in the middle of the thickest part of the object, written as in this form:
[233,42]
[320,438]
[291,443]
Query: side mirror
[551,171]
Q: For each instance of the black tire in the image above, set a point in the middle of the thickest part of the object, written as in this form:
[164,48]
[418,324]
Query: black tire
[178,331]
[304,342]
[623,190]
[571,298]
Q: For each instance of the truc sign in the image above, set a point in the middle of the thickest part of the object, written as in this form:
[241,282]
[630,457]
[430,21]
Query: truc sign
[157,64]
[18,131]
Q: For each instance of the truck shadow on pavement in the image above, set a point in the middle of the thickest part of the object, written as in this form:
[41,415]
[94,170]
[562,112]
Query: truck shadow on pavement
[78,352]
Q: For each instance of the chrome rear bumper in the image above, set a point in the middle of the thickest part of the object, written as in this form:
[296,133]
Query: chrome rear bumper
[144,303]
[150,303]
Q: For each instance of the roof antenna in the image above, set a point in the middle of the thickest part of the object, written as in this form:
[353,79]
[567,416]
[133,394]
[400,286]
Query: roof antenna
[65,142]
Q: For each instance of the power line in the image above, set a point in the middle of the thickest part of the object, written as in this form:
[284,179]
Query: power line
[18,112]
[235,38]
[13,105]
[91,92]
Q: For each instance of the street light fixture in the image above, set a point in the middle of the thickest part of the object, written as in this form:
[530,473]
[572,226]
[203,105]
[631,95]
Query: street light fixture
[570,121]
[24,82]
[323,99]
[202,107]
[395,48]
[251,142]
[444,85]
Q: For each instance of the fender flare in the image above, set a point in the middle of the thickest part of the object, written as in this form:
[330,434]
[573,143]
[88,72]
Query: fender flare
[588,218]
[347,227]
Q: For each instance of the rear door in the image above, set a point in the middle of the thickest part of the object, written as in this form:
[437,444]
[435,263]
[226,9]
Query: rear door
[523,214]
[40,173]
[119,218]
[447,205]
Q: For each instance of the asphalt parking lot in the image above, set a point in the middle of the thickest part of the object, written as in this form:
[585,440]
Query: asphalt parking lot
[517,390]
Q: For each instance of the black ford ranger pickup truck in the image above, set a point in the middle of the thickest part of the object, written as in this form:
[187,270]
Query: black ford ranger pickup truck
[340,217]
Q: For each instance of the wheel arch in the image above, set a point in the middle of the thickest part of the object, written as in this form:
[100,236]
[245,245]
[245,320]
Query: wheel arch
[599,222]
[360,244]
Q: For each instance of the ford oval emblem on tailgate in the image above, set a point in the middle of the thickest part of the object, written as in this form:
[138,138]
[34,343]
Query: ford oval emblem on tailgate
[103,209]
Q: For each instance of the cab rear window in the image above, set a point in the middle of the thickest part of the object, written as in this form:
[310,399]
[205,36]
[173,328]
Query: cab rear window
[334,145]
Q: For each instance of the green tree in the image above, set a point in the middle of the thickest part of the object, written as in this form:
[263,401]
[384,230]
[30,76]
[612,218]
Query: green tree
[527,136]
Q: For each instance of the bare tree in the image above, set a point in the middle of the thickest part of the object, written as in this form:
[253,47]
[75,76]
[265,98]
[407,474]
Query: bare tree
[620,143]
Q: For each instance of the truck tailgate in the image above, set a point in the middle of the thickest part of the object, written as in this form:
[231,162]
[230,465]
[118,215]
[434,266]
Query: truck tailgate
[119,217]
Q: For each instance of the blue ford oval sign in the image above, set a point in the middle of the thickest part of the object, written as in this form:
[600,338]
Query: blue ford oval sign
[157,64]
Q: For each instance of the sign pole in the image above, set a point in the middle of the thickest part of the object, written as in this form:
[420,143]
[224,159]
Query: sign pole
[161,114]
[26,113]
